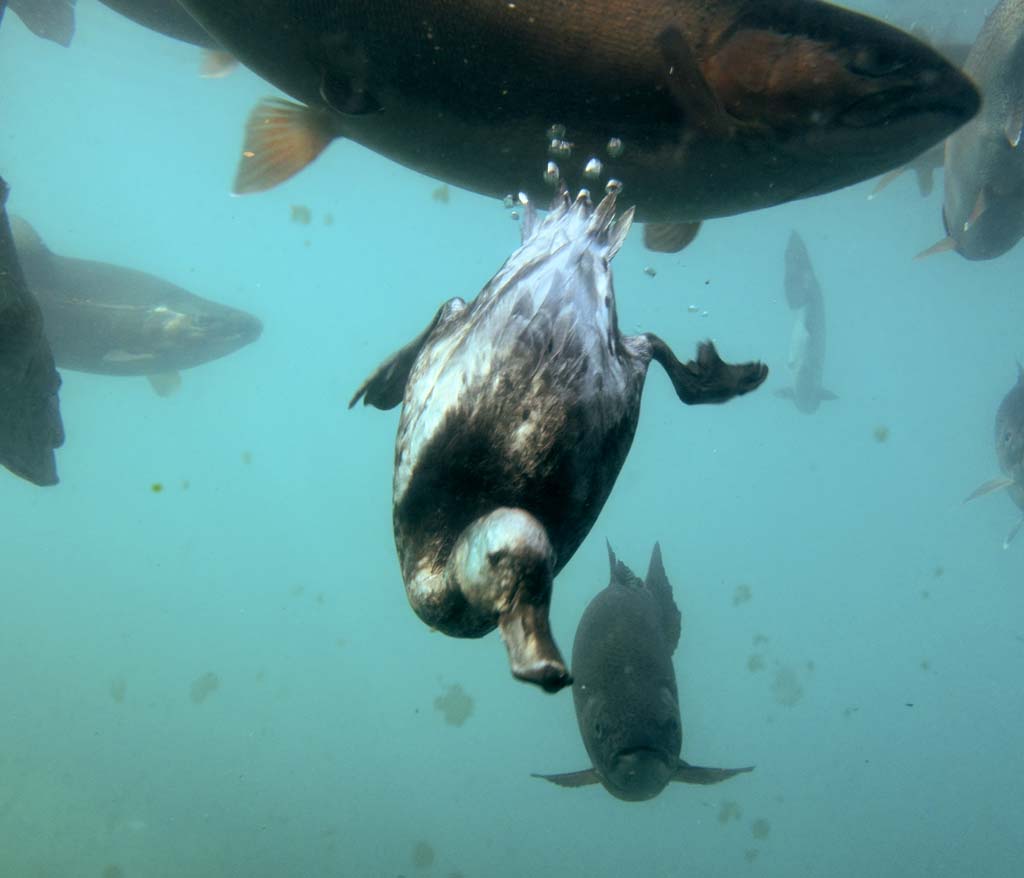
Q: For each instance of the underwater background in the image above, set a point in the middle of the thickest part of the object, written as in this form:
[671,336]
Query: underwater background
[209,667]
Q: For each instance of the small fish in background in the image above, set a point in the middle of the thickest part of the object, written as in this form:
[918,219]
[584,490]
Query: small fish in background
[52,20]
[807,344]
[627,703]
[983,207]
[702,109]
[1009,439]
[111,320]
[30,422]
[518,411]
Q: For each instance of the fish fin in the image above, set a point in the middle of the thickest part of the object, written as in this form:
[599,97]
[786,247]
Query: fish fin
[26,238]
[620,574]
[885,180]
[686,773]
[925,181]
[1013,532]
[785,393]
[584,778]
[661,589]
[980,204]
[1014,125]
[947,243]
[52,20]
[216,63]
[165,383]
[990,487]
[669,237]
[826,395]
[347,97]
[708,379]
[281,138]
[687,84]
[385,388]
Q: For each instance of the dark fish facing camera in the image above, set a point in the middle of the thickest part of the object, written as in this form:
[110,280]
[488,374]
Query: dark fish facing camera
[983,209]
[30,422]
[807,344]
[1009,438]
[52,20]
[624,689]
[111,320]
[518,411]
[700,109]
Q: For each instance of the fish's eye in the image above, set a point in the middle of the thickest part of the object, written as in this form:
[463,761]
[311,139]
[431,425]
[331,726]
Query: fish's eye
[868,62]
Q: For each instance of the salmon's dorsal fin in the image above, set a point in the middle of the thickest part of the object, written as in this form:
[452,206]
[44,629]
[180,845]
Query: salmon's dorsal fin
[584,778]
[661,590]
[686,773]
[621,575]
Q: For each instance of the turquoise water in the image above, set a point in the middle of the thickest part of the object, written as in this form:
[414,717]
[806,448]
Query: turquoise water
[872,676]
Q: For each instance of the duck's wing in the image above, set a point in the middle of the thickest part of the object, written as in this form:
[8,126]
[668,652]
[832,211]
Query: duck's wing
[385,388]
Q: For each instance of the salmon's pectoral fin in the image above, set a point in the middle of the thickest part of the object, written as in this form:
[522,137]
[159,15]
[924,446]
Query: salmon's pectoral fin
[216,63]
[669,237]
[947,243]
[281,138]
[165,383]
[826,395]
[584,778]
[686,83]
[686,773]
[708,379]
[385,388]
[52,20]
[885,180]
[347,97]
[1013,532]
[990,487]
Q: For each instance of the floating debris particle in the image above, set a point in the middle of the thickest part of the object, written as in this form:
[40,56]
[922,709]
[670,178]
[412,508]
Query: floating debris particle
[203,687]
[301,214]
[760,638]
[552,174]
[926,665]
[185,484]
[939,572]
[650,270]
[850,711]
[741,595]
[297,591]
[809,664]
[156,487]
[751,854]
[328,219]
[455,704]
[755,663]
[729,811]
[881,434]
[925,594]
[559,149]
[442,194]
[786,689]
[760,828]
[593,169]
[422,855]
[246,457]
[693,309]
[615,147]
[118,689]
[113,872]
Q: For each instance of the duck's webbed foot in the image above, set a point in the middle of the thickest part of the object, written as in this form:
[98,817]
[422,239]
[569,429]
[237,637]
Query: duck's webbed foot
[502,564]
[708,378]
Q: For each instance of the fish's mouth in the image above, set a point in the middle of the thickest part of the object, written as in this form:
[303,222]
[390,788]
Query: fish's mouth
[908,104]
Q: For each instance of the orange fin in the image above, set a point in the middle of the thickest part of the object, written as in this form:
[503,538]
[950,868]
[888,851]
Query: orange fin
[989,487]
[216,63]
[942,246]
[669,237]
[281,138]
[165,383]
[979,209]
[885,180]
